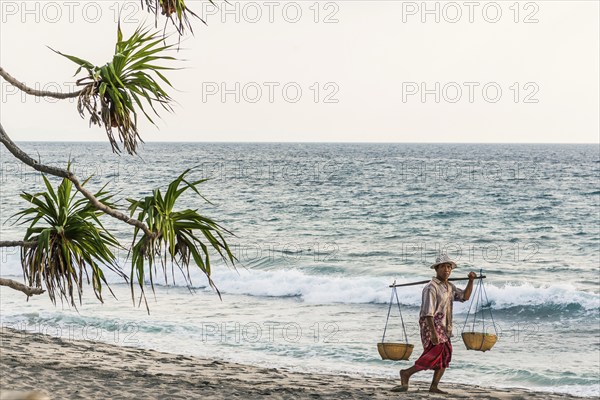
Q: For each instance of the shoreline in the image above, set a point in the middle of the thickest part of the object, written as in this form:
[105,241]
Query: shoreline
[79,369]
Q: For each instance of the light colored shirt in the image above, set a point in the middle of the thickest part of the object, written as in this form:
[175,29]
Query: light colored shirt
[438,298]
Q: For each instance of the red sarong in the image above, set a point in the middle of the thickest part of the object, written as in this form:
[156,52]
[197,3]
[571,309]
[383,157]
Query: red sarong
[435,356]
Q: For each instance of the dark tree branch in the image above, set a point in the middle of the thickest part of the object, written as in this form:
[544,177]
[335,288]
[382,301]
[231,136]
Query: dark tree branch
[63,173]
[39,93]
[16,243]
[28,290]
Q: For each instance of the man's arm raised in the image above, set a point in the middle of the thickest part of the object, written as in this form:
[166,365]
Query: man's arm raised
[469,288]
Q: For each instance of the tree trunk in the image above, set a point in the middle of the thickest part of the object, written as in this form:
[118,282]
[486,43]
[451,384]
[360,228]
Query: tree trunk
[28,290]
[39,93]
[63,173]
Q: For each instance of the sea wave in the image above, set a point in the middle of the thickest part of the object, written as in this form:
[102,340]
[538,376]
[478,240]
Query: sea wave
[321,288]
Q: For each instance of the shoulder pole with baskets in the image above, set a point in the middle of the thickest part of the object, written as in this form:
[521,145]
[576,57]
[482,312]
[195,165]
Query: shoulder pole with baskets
[402,351]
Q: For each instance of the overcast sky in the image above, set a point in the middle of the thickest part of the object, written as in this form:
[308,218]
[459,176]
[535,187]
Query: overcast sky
[383,71]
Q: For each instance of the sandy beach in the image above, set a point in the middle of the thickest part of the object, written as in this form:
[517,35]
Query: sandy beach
[92,370]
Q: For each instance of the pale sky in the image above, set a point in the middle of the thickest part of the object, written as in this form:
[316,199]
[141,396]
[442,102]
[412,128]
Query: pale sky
[376,71]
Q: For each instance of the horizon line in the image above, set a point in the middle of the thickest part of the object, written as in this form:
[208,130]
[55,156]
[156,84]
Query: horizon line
[295,142]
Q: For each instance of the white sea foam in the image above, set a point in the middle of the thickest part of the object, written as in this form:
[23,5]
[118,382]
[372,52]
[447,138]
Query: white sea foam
[327,289]
[318,289]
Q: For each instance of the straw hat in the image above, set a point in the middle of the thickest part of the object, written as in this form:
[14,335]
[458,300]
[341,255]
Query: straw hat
[443,259]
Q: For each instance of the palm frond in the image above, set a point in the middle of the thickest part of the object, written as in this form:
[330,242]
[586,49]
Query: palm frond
[183,237]
[132,81]
[175,11]
[71,245]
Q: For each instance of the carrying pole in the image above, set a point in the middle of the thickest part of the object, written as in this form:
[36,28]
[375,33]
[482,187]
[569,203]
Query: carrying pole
[427,281]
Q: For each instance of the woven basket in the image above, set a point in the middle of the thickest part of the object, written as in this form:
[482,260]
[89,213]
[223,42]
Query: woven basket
[395,351]
[479,341]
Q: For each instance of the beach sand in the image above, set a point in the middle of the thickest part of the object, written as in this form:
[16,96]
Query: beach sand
[66,369]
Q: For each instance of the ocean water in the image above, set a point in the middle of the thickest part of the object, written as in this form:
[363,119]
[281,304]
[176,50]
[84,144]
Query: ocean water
[322,230]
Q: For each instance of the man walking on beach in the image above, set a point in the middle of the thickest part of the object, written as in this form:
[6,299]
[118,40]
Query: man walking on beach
[435,322]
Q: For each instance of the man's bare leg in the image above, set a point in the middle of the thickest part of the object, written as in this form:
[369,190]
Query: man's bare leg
[437,375]
[405,375]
